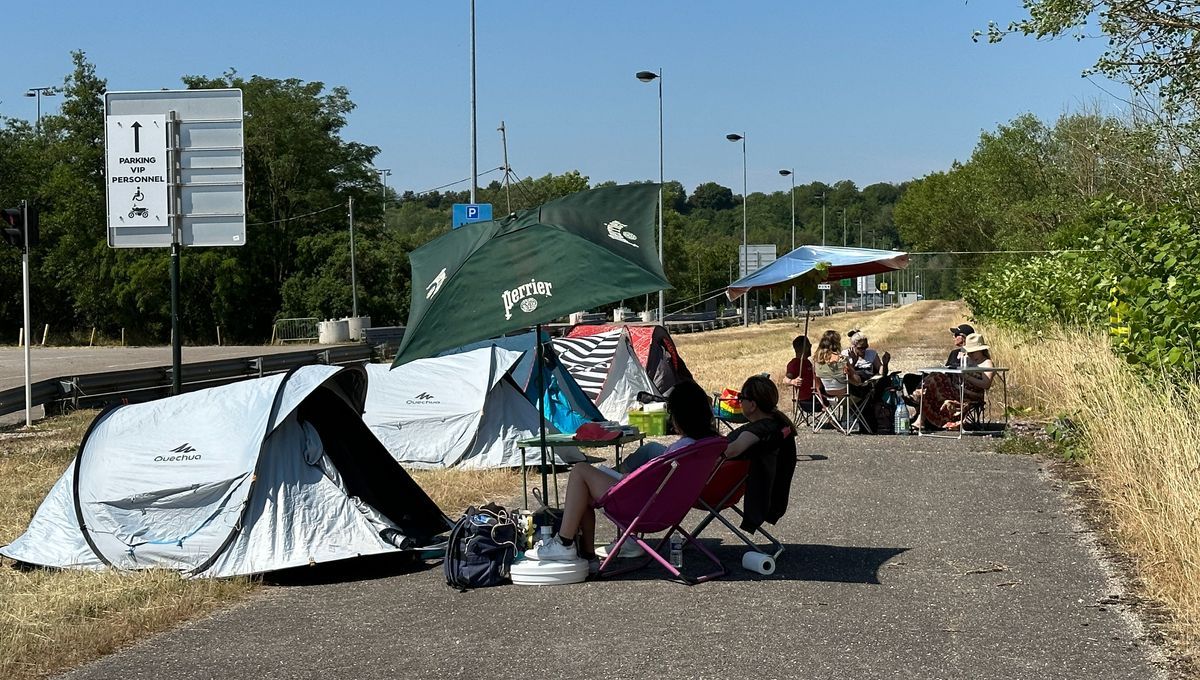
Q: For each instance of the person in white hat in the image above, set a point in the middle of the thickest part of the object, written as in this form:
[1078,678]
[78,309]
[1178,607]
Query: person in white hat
[940,405]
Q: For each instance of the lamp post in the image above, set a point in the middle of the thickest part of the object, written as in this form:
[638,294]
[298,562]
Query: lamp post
[733,137]
[645,77]
[792,174]
[383,175]
[40,92]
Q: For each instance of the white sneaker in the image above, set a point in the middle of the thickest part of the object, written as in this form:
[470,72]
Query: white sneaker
[630,550]
[553,551]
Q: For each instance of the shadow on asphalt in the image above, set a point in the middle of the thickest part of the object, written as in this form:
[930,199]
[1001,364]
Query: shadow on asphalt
[366,568]
[799,562]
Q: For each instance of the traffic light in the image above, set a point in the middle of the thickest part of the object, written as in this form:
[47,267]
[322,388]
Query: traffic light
[17,223]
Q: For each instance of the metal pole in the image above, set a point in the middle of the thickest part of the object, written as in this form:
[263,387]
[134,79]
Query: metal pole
[353,271]
[27,321]
[793,176]
[474,154]
[541,368]
[174,217]
[824,308]
[504,144]
[661,263]
[745,247]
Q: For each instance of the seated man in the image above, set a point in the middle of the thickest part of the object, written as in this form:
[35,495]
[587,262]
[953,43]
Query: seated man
[912,381]
[799,371]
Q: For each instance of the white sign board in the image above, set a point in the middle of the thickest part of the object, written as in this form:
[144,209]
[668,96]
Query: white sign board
[824,286]
[866,284]
[199,142]
[136,159]
[751,258]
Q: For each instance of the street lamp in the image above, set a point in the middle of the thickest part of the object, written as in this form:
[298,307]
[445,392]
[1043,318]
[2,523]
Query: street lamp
[40,92]
[745,251]
[383,175]
[792,174]
[645,77]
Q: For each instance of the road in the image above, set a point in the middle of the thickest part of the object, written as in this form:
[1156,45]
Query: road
[906,557]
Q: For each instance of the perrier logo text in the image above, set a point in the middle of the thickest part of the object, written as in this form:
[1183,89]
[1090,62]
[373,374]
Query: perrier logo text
[523,294]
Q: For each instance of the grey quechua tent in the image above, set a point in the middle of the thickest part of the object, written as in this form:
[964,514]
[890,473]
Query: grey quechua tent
[245,478]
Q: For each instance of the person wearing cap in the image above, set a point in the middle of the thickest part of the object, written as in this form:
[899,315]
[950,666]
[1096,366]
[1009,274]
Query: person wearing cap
[690,411]
[940,405]
[912,381]
[960,333]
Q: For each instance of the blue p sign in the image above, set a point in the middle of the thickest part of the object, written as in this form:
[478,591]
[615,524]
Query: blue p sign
[462,213]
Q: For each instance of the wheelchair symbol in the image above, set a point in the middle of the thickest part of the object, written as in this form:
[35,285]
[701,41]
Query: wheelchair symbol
[137,196]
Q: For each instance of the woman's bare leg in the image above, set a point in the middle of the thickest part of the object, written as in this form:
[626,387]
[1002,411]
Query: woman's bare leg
[587,542]
[584,485]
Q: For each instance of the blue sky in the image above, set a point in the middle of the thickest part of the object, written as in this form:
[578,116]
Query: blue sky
[869,91]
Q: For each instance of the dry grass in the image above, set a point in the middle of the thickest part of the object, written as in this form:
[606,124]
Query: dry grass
[453,490]
[916,335]
[1143,454]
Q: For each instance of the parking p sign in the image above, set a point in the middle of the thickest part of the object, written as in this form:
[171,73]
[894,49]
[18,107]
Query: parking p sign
[462,213]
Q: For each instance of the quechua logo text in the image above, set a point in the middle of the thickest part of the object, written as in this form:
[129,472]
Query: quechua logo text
[524,296]
[423,398]
[183,452]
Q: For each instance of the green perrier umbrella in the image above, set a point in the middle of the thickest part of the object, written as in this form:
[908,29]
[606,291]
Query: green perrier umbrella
[486,279]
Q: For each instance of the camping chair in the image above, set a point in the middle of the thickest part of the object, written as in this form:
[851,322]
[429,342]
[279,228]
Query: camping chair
[842,411]
[723,492]
[804,409]
[730,419]
[656,497]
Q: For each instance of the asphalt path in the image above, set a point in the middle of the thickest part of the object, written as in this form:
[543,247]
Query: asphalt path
[906,557]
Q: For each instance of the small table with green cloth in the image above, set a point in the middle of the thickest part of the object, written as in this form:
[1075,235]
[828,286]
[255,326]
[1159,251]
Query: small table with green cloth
[556,440]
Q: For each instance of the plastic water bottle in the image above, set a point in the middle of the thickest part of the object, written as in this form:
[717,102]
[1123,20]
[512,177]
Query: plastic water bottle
[676,550]
[901,422]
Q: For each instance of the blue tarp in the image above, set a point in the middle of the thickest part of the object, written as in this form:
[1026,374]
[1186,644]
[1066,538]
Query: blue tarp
[843,263]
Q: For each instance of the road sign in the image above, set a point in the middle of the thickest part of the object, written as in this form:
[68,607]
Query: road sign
[197,147]
[824,286]
[883,286]
[866,284]
[846,283]
[462,213]
[136,158]
[751,258]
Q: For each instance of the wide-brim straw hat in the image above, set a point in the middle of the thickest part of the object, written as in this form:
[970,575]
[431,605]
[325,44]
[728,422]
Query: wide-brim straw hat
[974,343]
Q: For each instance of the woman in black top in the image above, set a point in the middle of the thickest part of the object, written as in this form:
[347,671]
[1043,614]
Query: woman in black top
[768,441]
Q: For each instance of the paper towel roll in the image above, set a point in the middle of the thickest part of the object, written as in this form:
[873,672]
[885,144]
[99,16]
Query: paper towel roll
[760,563]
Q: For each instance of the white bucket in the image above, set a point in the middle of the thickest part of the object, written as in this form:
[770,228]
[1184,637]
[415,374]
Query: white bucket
[356,326]
[333,332]
[647,316]
[526,572]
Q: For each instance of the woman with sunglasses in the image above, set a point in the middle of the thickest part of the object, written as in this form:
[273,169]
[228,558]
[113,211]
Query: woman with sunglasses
[768,441]
[691,416]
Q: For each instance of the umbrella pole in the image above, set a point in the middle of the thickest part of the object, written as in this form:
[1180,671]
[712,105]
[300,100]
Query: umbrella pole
[542,407]
[807,316]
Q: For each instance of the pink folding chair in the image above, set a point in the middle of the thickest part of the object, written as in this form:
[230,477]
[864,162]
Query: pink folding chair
[656,497]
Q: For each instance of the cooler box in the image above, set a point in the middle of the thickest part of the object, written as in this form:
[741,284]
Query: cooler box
[657,426]
[640,420]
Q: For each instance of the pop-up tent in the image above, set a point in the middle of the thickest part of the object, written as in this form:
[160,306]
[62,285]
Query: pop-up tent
[655,350]
[246,478]
[607,369]
[458,410]
[566,405]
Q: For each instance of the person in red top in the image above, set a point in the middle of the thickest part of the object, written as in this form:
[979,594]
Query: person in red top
[799,371]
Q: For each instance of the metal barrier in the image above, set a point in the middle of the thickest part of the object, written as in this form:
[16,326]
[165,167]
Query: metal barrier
[294,330]
[145,384]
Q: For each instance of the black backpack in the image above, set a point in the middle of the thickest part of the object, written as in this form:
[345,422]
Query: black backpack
[481,548]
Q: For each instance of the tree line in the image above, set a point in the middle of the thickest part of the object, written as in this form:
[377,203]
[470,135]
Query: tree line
[301,174]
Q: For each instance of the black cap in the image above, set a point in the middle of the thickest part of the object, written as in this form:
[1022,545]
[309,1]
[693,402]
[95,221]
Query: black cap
[962,329]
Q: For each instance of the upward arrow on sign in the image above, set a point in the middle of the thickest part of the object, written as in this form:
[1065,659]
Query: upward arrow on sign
[137,145]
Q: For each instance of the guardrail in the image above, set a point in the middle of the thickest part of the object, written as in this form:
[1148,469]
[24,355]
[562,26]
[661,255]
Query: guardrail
[92,390]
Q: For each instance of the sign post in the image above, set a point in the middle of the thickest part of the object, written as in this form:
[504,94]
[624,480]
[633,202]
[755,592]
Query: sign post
[175,176]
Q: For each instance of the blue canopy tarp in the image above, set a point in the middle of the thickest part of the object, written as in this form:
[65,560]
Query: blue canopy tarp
[842,263]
